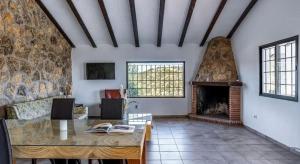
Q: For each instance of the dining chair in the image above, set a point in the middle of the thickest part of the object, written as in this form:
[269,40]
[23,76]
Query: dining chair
[111,109]
[62,109]
[5,146]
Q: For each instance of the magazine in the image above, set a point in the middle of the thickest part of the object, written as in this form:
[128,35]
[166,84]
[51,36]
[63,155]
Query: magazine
[122,129]
[109,128]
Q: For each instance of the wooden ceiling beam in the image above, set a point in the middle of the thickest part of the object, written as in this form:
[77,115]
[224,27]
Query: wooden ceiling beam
[160,21]
[134,22]
[108,24]
[213,21]
[80,21]
[187,22]
[242,17]
[52,19]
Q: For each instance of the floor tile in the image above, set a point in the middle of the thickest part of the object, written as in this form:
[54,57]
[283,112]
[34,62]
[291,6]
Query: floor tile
[201,155]
[153,156]
[152,147]
[238,161]
[165,136]
[188,141]
[280,161]
[290,156]
[204,161]
[224,147]
[197,147]
[168,148]
[252,155]
[166,141]
[272,155]
[260,161]
[153,162]
[232,155]
[170,155]
[153,142]
[171,162]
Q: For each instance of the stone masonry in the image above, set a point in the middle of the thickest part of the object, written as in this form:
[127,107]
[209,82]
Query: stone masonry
[35,60]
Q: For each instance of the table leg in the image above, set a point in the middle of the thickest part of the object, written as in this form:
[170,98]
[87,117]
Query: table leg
[14,161]
[134,161]
[33,161]
[148,131]
[144,153]
[143,157]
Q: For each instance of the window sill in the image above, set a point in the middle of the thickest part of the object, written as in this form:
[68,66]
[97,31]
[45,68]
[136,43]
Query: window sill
[294,99]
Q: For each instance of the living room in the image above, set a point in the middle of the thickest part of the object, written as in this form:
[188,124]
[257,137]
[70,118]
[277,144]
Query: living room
[213,81]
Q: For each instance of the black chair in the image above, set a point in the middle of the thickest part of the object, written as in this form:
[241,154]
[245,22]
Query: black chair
[5,147]
[62,109]
[112,109]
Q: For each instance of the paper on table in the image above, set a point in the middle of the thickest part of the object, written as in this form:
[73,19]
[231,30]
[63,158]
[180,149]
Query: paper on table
[108,128]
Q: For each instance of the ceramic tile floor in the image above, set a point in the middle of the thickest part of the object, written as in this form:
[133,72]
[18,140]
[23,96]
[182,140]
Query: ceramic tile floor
[184,141]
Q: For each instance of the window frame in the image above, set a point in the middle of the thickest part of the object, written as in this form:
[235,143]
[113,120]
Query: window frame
[276,44]
[183,80]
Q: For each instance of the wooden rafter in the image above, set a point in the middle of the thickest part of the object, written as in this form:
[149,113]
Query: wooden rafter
[187,22]
[160,21]
[108,24]
[52,19]
[242,17]
[134,22]
[213,21]
[80,21]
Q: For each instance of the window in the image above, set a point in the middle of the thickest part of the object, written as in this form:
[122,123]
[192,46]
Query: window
[155,79]
[278,69]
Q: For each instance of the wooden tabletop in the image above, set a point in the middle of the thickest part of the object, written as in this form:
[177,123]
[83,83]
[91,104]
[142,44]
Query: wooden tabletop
[48,133]
[42,138]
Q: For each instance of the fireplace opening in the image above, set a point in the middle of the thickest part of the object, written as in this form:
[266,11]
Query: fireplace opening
[213,101]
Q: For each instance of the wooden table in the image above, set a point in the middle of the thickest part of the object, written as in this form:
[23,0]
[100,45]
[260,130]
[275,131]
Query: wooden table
[42,139]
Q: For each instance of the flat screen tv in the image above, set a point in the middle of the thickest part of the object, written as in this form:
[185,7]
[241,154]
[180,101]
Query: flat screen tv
[100,71]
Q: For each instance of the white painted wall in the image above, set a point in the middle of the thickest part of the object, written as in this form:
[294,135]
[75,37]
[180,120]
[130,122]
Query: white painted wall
[87,91]
[270,20]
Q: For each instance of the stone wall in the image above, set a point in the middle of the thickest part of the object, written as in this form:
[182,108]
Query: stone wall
[218,63]
[35,60]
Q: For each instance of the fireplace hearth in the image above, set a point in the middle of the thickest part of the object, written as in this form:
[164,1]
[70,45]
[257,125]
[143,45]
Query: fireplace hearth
[216,90]
[217,102]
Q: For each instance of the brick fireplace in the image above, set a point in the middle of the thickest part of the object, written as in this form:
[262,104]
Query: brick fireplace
[232,99]
[216,90]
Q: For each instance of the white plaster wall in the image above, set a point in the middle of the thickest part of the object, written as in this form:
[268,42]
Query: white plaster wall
[270,20]
[87,91]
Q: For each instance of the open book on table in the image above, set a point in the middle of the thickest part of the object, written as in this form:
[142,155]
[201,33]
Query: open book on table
[109,128]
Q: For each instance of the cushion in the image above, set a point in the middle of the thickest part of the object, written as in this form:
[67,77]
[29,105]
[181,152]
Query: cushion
[112,94]
[38,109]
[30,110]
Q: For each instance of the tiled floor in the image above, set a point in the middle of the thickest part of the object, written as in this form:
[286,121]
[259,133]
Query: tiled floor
[183,141]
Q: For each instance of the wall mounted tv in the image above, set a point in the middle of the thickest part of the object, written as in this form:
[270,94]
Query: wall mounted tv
[100,71]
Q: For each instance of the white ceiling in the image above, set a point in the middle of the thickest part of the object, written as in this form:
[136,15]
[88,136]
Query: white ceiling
[147,20]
